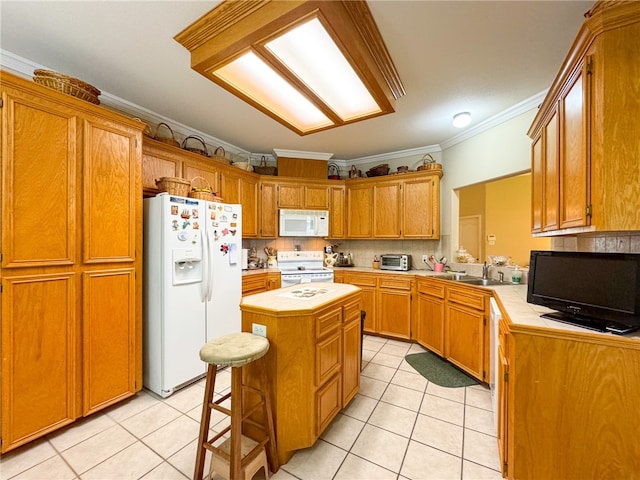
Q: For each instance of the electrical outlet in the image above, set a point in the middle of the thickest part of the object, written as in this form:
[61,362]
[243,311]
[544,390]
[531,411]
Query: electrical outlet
[258,329]
[425,258]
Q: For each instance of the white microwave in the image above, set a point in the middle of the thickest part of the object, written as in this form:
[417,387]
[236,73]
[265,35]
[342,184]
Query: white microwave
[304,223]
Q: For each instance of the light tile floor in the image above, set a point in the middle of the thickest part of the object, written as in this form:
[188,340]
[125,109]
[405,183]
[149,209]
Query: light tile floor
[399,426]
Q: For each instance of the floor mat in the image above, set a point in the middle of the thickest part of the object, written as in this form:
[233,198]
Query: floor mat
[439,371]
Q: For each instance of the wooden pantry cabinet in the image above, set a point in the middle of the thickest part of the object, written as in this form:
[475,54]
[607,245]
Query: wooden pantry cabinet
[585,156]
[71,259]
[398,206]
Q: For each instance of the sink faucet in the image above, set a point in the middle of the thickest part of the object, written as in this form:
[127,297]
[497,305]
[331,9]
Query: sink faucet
[485,270]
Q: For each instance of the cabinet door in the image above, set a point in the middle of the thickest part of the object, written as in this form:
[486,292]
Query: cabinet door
[430,328]
[40,151]
[112,195]
[503,408]
[351,360]
[268,210]
[368,284]
[394,313]
[328,403]
[464,339]
[386,210]
[316,197]
[336,212]
[157,164]
[249,201]
[202,177]
[328,357]
[574,164]
[537,185]
[421,208]
[40,362]
[359,211]
[551,176]
[109,337]
[290,195]
[273,281]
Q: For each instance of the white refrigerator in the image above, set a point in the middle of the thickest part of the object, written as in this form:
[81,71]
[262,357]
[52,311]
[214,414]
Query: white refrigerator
[192,285]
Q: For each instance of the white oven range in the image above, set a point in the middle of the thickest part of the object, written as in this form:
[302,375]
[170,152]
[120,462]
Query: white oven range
[305,266]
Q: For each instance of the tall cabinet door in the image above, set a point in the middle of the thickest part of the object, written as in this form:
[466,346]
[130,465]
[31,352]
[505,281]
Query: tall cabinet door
[421,208]
[386,206]
[359,211]
[39,252]
[574,160]
[112,222]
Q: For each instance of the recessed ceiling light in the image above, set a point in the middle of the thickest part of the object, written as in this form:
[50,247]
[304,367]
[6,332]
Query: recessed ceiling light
[311,65]
[461,119]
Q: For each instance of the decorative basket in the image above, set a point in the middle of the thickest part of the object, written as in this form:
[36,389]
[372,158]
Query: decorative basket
[428,163]
[174,186]
[220,156]
[201,151]
[202,193]
[170,140]
[66,84]
[378,171]
[243,166]
[263,169]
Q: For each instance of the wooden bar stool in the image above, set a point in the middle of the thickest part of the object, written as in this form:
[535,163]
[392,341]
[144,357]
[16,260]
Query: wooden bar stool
[236,350]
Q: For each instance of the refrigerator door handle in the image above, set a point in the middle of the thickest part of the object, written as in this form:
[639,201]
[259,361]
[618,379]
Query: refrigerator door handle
[206,261]
[209,272]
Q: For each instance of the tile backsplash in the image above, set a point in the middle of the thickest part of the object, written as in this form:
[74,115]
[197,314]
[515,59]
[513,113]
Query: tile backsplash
[610,242]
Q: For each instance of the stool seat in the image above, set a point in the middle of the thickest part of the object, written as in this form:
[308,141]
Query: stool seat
[234,350]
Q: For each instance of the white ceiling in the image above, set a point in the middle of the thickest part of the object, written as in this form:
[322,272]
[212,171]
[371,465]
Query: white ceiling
[452,56]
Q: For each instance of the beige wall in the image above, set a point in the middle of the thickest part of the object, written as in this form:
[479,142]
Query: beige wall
[508,218]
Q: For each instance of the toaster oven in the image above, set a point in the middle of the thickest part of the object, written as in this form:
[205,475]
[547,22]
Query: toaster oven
[395,261]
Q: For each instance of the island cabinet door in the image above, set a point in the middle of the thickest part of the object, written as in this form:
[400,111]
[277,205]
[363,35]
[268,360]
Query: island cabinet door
[351,356]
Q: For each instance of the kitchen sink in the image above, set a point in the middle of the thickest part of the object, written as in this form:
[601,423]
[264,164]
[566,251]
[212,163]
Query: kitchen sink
[478,281]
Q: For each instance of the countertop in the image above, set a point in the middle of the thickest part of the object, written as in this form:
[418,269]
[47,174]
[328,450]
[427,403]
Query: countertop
[293,299]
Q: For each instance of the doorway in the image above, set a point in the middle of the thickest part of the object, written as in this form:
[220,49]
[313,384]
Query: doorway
[470,235]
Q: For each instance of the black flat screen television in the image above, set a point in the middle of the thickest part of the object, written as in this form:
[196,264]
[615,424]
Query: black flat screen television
[600,291]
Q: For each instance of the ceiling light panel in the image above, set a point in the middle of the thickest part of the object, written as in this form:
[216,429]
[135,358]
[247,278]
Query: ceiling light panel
[348,79]
[310,53]
[250,75]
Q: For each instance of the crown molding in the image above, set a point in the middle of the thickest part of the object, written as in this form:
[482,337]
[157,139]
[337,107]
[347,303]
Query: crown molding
[511,112]
[279,152]
[23,67]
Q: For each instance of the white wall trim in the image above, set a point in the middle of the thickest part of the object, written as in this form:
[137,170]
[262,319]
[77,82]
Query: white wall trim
[25,68]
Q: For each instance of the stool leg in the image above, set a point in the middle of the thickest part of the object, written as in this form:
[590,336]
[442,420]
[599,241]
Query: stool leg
[236,423]
[204,421]
[272,451]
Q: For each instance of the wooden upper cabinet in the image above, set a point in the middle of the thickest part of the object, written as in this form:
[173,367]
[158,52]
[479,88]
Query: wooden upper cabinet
[387,206]
[290,196]
[112,194]
[298,194]
[537,185]
[551,175]
[159,160]
[421,208]
[337,209]
[598,154]
[574,161]
[268,214]
[39,223]
[359,210]
[202,177]
[242,187]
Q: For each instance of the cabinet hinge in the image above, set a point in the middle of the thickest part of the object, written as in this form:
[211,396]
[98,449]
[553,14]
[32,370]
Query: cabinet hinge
[506,377]
[589,66]
[484,320]
[588,210]
[505,470]
[1,103]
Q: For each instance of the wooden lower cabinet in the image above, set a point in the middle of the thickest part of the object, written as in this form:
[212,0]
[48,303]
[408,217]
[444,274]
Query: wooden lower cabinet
[393,309]
[313,366]
[369,285]
[428,330]
[466,337]
[571,407]
[260,282]
[502,379]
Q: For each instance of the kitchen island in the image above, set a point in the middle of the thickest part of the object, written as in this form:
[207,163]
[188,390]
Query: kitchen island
[313,362]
